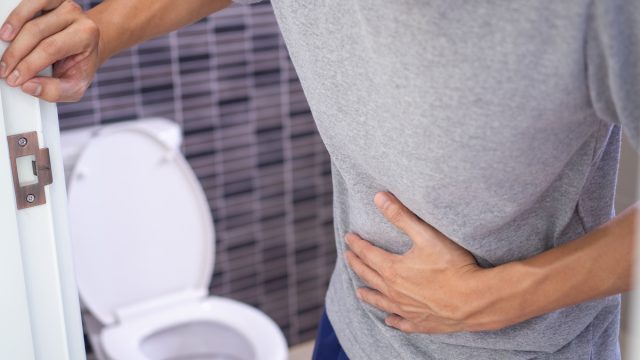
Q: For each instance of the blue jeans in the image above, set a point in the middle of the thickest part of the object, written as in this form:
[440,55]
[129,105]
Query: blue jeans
[327,345]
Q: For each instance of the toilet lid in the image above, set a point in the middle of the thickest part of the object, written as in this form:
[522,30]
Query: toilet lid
[141,225]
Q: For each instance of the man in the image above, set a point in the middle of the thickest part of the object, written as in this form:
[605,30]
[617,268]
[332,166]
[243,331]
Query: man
[496,127]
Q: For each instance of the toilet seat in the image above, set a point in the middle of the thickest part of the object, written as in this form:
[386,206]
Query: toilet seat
[124,341]
[142,224]
[141,276]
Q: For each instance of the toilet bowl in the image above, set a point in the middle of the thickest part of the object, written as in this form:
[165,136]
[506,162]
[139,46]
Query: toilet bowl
[144,250]
[206,329]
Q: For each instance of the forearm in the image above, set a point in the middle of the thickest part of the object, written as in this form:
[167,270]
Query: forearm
[598,264]
[125,23]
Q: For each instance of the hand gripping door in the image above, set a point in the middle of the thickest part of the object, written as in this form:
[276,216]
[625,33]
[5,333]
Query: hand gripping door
[39,309]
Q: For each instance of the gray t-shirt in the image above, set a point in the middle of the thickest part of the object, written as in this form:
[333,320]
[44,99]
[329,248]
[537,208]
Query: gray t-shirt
[497,122]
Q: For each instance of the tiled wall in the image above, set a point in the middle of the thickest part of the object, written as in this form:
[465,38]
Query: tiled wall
[251,139]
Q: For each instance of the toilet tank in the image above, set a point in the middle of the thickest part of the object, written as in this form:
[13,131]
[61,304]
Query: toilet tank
[73,141]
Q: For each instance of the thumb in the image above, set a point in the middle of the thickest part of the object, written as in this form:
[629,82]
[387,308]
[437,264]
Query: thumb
[403,218]
[53,89]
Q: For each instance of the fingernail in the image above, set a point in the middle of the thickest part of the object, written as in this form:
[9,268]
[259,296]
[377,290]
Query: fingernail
[32,88]
[381,199]
[5,32]
[13,79]
[358,295]
[3,69]
[346,239]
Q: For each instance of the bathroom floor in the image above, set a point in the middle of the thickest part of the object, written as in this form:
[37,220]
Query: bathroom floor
[301,351]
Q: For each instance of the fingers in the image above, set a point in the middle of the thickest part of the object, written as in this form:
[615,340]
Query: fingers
[24,12]
[367,274]
[49,51]
[55,89]
[373,256]
[63,36]
[377,300]
[36,44]
[401,324]
[426,325]
[400,216]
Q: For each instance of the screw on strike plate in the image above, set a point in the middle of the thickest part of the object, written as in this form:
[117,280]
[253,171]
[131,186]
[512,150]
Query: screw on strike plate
[31,198]
[22,142]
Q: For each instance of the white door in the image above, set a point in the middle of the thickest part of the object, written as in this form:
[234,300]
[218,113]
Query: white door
[39,308]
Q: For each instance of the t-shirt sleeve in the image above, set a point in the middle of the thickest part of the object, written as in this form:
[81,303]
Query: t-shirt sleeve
[613,63]
[246,2]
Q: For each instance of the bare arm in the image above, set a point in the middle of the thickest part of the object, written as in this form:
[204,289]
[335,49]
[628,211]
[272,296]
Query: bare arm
[125,23]
[598,264]
[437,286]
[77,43]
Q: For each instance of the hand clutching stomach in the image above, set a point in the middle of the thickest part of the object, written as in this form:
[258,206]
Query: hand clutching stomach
[45,32]
[435,287]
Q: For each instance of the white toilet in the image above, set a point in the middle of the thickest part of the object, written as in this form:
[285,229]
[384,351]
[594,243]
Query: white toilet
[144,249]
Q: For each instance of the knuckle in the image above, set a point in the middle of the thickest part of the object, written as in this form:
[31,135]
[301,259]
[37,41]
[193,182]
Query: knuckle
[394,213]
[392,293]
[379,303]
[89,28]
[400,324]
[9,57]
[18,16]
[349,258]
[365,256]
[49,96]
[395,321]
[33,29]
[355,263]
[366,296]
[376,304]
[25,68]
[51,93]
[49,46]
[360,250]
[14,18]
[71,6]
[390,272]
[358,270]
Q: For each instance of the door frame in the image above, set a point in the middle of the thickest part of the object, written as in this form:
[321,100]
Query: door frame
[39,309]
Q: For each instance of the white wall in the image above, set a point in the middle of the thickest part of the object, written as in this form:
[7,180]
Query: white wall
[627,191]
[627,194]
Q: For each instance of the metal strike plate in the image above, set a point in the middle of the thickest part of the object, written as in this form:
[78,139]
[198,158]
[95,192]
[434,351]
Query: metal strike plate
[32,194]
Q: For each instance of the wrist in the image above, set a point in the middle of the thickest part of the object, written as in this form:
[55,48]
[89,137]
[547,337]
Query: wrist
[106,46]
[503,296]
[518,290]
